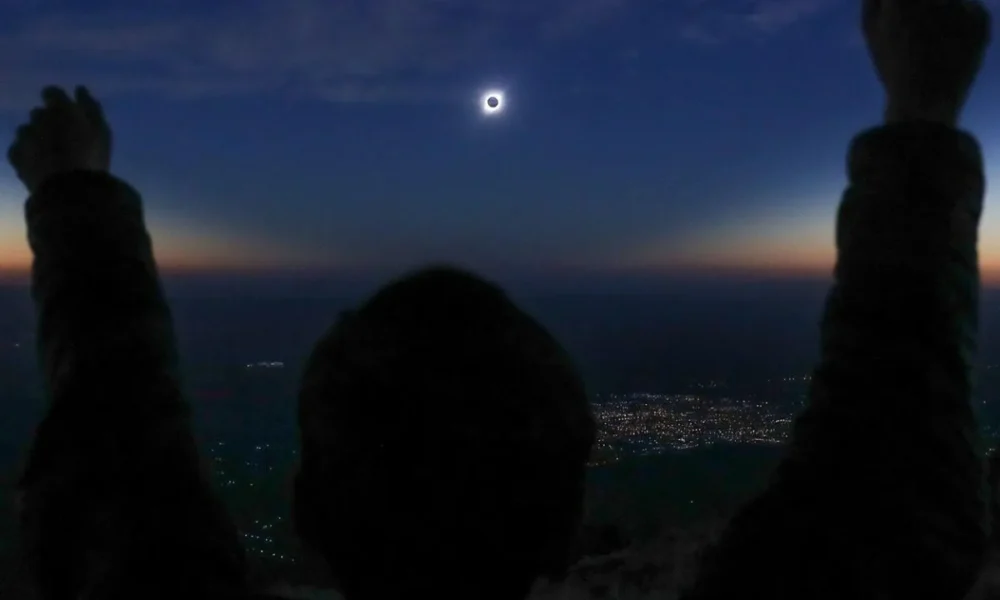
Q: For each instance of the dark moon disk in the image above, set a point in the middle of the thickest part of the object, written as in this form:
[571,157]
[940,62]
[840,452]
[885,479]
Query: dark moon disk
[493,102]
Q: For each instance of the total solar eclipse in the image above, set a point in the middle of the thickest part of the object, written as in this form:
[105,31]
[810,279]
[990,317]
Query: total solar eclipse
[492,102]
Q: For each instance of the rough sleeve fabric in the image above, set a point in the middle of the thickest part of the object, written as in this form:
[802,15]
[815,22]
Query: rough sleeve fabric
[882,491]
[116,502]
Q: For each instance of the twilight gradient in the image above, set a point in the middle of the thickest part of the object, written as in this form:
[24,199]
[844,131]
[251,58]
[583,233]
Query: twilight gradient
[311,136]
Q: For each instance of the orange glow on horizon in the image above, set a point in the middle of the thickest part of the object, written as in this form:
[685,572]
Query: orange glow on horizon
[17,264]
[778,243]
[782,242]
[180,246]
[807,264]
[990,275]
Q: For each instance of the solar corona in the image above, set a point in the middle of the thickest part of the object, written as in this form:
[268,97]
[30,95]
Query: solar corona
[492,102]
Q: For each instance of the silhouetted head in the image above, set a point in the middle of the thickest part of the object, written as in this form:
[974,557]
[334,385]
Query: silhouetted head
[445,436]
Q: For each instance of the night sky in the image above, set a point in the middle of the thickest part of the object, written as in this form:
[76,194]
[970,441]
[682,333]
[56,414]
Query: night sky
[316,136]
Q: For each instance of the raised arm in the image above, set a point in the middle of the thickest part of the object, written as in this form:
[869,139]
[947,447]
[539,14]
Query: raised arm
[115,500]
[881,494]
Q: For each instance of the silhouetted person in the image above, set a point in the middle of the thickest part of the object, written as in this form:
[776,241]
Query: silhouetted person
[988,586]
[444,433]
[445,437]
[115,502]
[993,479]
[882,493]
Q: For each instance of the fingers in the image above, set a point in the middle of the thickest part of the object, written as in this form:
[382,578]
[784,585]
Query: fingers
[966,20]
[17,148]
[54,96]
[61,134]
[90,106]
[877,12]
[979,19]
[973,15]
[56,106]
[14,155]
[22,132]
[870,11]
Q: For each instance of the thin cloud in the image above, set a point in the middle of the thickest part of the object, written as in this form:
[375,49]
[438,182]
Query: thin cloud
[716,21]
[335,50]
[770,16]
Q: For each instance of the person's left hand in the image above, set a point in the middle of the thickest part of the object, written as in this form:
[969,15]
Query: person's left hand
[61,136]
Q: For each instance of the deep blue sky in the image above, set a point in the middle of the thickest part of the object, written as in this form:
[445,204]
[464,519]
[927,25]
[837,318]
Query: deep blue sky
[318,134]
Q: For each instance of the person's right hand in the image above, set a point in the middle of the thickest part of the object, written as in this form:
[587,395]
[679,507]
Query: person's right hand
[63,135]
[927,54]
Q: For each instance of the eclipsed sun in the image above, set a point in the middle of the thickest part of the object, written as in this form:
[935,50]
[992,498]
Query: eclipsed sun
[492,102]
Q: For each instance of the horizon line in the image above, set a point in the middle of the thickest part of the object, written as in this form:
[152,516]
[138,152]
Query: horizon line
[21,277]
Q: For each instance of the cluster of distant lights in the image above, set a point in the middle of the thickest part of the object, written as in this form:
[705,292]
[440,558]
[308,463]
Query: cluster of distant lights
[647,423]
[681,422]
[267,540]
[266,365]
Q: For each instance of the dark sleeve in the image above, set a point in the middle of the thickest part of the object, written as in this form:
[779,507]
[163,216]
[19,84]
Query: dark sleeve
[882,491]
[993,482]
[116,500]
